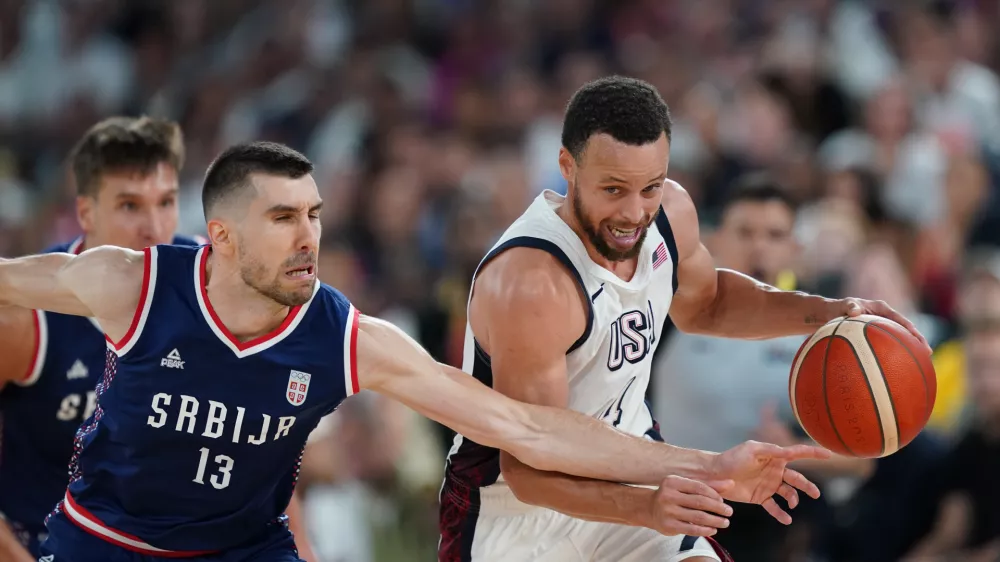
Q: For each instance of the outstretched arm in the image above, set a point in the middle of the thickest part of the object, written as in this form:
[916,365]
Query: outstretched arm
[104,283]
[10,549]
[391,363]
[722,302]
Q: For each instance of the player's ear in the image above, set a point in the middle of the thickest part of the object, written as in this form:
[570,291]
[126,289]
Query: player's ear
[567,164]
[85,212]
[219,236]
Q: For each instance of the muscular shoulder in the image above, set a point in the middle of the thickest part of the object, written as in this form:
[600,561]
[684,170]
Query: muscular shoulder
[680,211]
[527,292]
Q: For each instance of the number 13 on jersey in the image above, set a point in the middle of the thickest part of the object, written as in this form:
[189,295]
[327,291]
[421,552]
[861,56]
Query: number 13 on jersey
[224,464]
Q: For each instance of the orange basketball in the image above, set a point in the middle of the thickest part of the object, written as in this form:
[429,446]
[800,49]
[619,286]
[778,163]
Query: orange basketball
[862,386]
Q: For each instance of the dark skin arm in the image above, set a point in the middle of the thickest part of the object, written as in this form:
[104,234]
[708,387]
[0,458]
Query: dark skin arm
[725,303]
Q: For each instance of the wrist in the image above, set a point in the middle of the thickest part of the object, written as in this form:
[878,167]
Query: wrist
[824,310]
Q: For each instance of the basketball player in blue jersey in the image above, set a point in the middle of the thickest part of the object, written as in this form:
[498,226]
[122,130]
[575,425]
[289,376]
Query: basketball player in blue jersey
[223,358]
[126,175]
[566,311]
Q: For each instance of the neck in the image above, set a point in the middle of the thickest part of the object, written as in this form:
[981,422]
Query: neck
[245,312]
[623,269]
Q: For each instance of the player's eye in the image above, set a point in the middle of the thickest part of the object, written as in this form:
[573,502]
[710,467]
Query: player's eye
[612,190]
[128,206]
[282,218]
[167,203]
[651,188]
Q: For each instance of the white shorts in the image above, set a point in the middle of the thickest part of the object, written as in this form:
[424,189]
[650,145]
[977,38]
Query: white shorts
[509,531]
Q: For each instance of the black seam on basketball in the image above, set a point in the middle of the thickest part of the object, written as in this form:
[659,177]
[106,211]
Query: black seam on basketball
[895,416]
[871,392]
[923,377]
[826,395]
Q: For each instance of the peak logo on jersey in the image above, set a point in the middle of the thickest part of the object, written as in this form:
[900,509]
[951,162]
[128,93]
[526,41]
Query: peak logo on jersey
[298,387]
[77,371]
[172,360]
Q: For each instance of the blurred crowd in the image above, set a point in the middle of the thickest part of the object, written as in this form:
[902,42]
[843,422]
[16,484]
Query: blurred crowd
[434,122]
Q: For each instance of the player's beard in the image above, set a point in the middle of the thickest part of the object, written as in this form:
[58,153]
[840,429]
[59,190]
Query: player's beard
[595,233]
[256,275]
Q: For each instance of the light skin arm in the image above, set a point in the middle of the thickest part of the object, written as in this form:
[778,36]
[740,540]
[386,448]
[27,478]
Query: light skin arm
[10,548]
[299,528]
[725,303]
[546,438]
[104,283]
[526,311]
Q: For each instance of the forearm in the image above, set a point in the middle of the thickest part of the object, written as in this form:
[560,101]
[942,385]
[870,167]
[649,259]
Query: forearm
[34,282]
[297,525]
[570,442]
[10,549]
[591,500]
[744,308]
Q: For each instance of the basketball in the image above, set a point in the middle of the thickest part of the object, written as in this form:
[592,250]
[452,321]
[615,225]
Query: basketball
[862,386]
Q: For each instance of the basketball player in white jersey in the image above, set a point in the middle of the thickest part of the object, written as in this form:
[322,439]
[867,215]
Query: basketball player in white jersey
[567,309]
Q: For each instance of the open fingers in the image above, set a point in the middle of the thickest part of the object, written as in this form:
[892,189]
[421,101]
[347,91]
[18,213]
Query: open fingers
[790,494]
[694,487]
[794,452]
[700,518]
[795,479]
[775,510]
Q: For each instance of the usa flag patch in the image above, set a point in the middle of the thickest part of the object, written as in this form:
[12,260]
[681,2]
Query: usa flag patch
[660,255]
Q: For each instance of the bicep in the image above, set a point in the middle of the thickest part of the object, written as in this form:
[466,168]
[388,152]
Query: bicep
[697,286]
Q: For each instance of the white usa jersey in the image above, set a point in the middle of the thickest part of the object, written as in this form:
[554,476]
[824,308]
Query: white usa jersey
[609,366]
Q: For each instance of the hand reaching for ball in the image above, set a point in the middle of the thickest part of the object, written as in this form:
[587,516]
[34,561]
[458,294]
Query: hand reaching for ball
[760,470]
[853,307]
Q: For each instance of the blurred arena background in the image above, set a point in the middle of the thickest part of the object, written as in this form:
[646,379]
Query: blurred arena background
[434,122]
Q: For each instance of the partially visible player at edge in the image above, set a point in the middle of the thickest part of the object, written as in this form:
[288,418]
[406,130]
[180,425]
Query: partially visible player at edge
[200,462]
[126,175]
[567,311]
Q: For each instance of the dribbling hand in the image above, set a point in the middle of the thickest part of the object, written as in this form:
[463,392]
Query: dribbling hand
[856,307]
[689,507]
[759,471]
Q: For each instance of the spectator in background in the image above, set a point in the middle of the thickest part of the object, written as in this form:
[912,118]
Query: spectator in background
[967,524]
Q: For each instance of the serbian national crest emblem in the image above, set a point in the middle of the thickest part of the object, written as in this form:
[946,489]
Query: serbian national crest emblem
[298,387]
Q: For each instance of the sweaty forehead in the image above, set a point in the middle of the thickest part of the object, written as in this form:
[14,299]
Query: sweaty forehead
[268,191]
[603,155]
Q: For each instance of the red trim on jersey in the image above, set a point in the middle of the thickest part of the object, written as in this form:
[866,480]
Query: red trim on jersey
[76,247]
[146,265]
[242,346]
[77,510]
[35,355]
[354,350]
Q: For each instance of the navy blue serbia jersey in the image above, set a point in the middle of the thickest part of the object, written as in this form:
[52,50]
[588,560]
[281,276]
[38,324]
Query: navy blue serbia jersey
[197,438]
[41,413]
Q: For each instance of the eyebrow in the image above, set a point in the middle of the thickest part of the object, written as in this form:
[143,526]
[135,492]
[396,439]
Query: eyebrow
[658,178]
[134,195]
[282,208]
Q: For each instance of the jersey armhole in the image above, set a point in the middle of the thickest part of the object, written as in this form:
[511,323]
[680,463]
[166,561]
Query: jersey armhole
[149,267]
[351,352]
[559,254]
[39,352]
[663,226]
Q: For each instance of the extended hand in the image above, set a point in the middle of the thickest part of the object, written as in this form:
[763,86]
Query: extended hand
[688,507]
[760,470]
[857,307]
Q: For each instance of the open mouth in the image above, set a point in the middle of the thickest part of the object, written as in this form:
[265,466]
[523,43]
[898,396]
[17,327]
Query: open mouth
[304,272]
[625,236]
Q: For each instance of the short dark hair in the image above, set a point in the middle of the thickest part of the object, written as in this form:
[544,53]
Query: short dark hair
[759,188]
[125,144]
[629,110]
[229,174]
